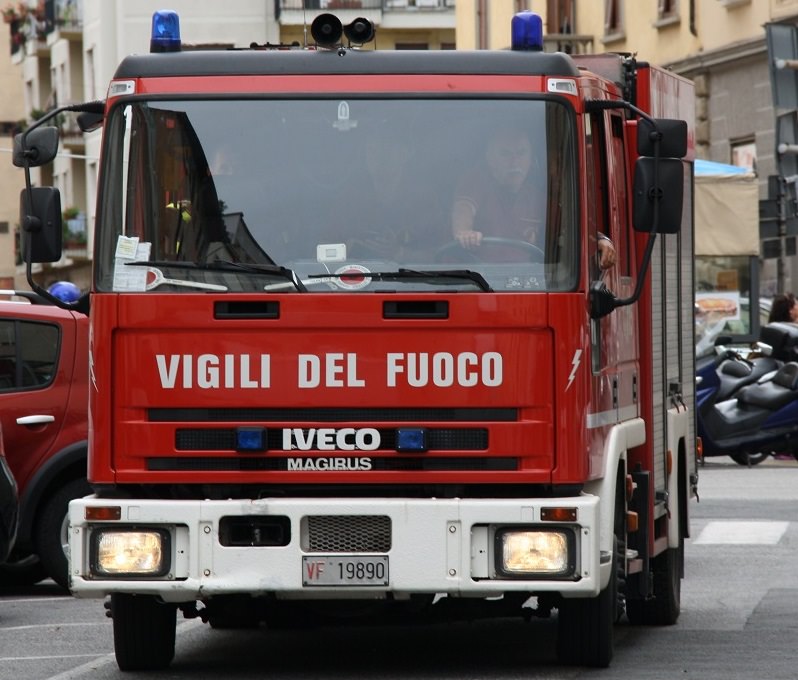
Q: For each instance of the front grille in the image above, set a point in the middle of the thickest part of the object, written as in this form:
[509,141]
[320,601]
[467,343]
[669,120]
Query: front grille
[346,534]
[224,439]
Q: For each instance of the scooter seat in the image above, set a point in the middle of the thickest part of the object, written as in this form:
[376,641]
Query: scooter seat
[736,369]
[735,374]
[772,394]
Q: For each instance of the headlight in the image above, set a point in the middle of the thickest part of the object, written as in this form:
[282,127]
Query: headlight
[535,552]
[130,552]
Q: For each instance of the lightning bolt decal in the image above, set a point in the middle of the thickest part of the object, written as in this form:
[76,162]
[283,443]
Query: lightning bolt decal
[92,376]
[575,367]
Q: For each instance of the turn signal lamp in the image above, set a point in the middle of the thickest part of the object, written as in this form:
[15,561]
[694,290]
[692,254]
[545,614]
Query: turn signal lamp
[527,32]
[558,514]
[129,552]
[165,36]
[104,513]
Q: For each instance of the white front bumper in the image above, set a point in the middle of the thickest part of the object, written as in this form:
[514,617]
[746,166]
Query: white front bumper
[436,546]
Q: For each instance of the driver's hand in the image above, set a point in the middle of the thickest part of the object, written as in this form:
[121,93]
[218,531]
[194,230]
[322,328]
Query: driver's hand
[606,254]
[469,238]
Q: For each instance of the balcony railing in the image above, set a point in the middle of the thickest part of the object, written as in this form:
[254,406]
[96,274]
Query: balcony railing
[64,15]
[381,5]
[570,43]
[34,22]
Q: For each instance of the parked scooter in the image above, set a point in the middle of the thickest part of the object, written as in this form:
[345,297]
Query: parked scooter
[748,406]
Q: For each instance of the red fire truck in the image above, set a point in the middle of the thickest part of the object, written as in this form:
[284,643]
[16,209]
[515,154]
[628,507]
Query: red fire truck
[310,393]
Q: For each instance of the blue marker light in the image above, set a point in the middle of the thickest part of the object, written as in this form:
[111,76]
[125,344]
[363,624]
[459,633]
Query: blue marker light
[527,32]
[165,36]
[411,439]
[251,439]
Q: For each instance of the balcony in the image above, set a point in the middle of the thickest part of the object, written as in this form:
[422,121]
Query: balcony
[569,43]
[64,19]
[386,13]
[27,27]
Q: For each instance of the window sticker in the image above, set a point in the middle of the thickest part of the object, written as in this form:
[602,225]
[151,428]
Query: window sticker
[126,278]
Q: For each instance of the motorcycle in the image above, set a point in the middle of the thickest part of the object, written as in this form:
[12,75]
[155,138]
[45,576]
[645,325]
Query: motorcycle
[747,406]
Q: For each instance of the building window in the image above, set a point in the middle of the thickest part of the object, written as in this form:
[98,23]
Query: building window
[667,13]
[560,16]
[724,304]
[613,19]
[411,46]
[743,154]
[667,8]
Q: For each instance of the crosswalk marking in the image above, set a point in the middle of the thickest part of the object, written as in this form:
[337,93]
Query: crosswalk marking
[734,532]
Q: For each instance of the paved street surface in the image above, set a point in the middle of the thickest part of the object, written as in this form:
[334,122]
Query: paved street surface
[739,618]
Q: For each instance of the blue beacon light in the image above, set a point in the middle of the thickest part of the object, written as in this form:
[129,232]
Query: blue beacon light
[411,439]
[165,36]
[251,439]
[527,32]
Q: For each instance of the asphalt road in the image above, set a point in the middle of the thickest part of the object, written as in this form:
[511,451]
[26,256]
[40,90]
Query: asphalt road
[739,618]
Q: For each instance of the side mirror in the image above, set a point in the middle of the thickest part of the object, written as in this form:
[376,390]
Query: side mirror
[41,146]
[89,121]
[40,217]
[670,133]
[658,195]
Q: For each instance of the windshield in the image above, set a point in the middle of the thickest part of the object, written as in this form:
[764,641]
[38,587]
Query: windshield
[331,195]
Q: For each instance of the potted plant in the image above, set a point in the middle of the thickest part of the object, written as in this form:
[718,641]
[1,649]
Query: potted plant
[14,14]
[74,227]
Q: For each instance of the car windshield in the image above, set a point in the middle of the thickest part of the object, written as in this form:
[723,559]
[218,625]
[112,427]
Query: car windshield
[331,195]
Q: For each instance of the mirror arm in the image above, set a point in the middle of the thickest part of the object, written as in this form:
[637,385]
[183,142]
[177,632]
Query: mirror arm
[33,223]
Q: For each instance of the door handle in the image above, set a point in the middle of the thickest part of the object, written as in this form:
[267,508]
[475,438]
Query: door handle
[35,420]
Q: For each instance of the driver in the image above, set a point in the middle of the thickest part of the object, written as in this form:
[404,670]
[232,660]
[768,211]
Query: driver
[502,197]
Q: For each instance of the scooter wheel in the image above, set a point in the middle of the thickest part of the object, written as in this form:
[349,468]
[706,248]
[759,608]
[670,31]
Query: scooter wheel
[749,459]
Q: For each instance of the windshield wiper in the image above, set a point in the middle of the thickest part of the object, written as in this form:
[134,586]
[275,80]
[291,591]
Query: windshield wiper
[269,269]
[432,276]
[224,265]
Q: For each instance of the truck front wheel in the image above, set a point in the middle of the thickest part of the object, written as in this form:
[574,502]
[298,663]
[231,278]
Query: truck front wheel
[144,632]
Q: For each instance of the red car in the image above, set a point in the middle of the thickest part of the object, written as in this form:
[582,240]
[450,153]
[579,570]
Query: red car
[43,413]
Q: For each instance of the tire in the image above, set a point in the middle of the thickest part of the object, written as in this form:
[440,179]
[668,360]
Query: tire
[749,459]
[144,632]
[21,571]
[50,531]
[585,627]
[664,607]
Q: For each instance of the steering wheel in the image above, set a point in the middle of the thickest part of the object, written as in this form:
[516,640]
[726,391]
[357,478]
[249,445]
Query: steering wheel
[534,253]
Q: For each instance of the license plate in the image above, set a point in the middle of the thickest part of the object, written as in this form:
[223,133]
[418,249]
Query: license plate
[344,570]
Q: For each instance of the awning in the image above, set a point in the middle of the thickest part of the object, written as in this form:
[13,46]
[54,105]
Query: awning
[726,210]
